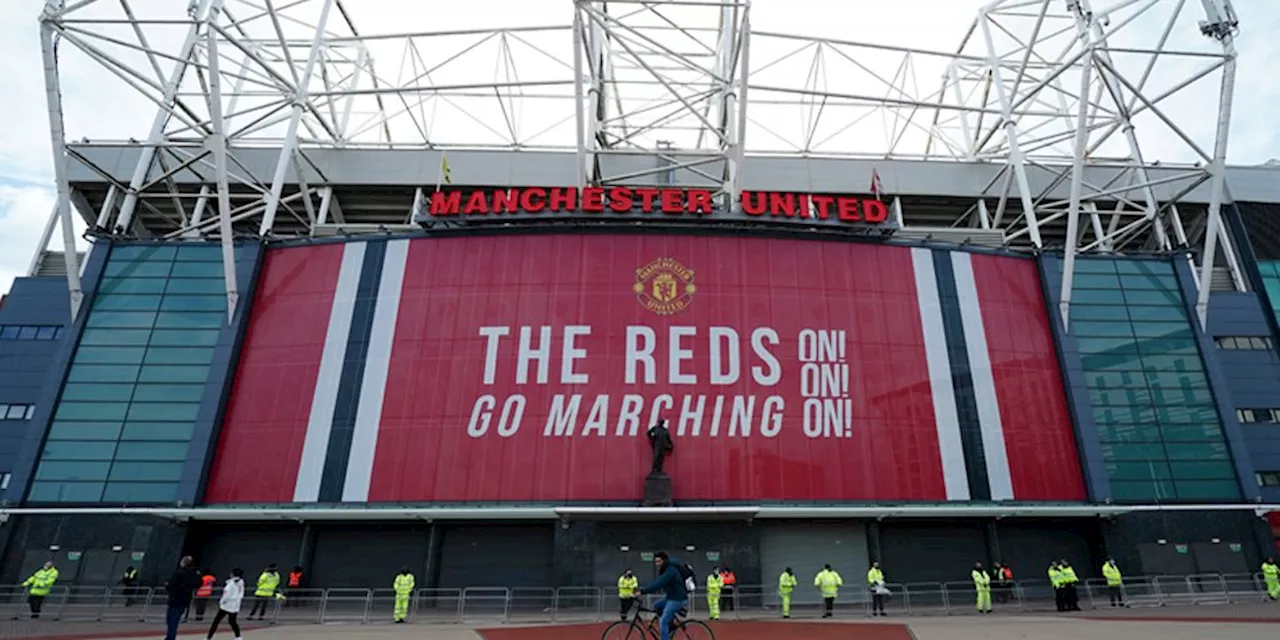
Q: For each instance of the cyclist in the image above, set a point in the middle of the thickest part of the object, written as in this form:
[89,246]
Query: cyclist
[671,583]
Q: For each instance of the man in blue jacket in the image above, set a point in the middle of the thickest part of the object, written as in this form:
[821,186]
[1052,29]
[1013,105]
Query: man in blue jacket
[671,583]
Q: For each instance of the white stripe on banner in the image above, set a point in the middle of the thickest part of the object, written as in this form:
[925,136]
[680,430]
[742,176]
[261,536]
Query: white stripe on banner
[320,422]
[373,388]
[984,383]
[954,474]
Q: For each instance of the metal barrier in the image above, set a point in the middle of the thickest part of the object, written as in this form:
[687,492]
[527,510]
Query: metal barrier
[437,605]
[299,606]
[126,604]
[345,605]
[582,604]
[485,604]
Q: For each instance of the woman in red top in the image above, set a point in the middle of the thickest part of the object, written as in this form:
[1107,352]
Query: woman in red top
[207,580]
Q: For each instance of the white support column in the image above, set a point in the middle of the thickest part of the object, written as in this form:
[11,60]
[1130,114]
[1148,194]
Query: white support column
[1218,181]
[148,154]
[579,97]
[1016,159]
[362,59]
[739,151]
[1077,169]
[197,216]
[108,203]
[57,136]
[43,246]
[291,134]
[218,142]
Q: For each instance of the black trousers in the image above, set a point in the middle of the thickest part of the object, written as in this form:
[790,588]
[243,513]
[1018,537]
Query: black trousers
[624,607]
[35,603]
[259,604]
[231,619]
[1117,596]
[1060,598]
[1072,597]
[727,597]
[828,604]
[877,603]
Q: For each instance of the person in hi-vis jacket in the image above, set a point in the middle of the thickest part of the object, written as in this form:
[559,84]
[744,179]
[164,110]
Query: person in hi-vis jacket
[714,585]
[627,584]
[268,585]
[403,585]
[786,584]
[982,585]
[829,582]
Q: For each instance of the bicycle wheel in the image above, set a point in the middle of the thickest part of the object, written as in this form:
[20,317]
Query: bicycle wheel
[695,630]
[623,631]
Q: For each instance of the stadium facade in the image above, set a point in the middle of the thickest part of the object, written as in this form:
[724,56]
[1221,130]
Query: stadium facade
[1000,357]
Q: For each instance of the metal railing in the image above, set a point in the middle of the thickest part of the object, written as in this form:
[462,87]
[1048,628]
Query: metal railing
[529,605]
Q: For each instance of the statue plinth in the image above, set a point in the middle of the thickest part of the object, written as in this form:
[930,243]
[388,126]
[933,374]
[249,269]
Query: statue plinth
[657,490]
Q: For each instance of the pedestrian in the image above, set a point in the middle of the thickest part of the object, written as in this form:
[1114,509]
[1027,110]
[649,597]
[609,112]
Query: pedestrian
[875,582]
[627,584]
[829,582]
[295,583]
[229,603]
[1071,596]
[786,584]
[1271,576]
[204,592]
[403,585]
[38,587]
[982,585]
[268,584]
[181,586]
[729,587]
[1115,582]
[673,582]
[715,583]
[130,583]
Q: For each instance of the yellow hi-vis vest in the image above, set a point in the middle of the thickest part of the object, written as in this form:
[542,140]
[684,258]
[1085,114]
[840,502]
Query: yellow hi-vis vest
[829,582]
[41,582]
[1055,577]
[874,575]
[714,584]
[1112,574]
[404,584]
[267,584]
[627,586]
[1270,571]
[1069,576]
[786,582]
[981,581]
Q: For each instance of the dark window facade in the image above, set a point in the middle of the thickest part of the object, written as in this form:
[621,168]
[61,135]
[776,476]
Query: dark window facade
[1264,416]
[1253,343]
[124,420]
[29,332]
[1158,423]
[17,411]
[1268,478]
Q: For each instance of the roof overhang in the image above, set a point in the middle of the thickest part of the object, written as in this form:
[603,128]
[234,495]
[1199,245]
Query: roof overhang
[568,513]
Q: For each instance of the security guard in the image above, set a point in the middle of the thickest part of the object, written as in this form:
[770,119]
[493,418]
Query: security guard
[403,585]
[715,584]
[627,584]
[786,584]
[1055,579]
[982,584]
[130,583]
[1115,582]
[1071,597]
[39,585]
[875,582]
[268,584]
[830,582]
[1271,576]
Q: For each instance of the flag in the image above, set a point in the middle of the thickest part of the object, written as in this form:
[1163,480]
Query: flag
[445,174]
[876,187]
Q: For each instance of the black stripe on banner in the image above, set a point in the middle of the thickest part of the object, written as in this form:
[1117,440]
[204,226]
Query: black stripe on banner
[344,411]
[975,459]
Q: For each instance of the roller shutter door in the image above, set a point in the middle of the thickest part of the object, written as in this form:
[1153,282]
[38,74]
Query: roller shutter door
[497,556]
[1028,548]
[928,552]
[251,550]
[805,547]
[379,554]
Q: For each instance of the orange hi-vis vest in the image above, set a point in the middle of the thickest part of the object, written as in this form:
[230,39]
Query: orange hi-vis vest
[206,586]
[295,578]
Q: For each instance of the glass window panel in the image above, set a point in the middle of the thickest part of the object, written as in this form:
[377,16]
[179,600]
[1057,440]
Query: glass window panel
[179,355]
[1140,491]
[1089,265]
[200,253]
[1147,471]
[1100,329]
[147,471]
[1172,346]
[190,319]
[1201,451]
[1176,378]
[193,303]
[137,269]
[1124,415]
[15,411]
[170,411]
[77,450]
[102,373]
[28,333]
[115,337]
[169,393]
[1209,432]
[1162,330]
[1181,395]
[97,392]
[127,302]
[1135,281]
[184,337]
[1128,433]
[159,373]
[135,492]
[83,471]
[71,430]
[152,451]
[1094,312]
[1127,366]
[121,319]
[1132,452]
[197,270]
[1139,314]
[131,285]
[48,333]
[1118,397]
[1106,345]
[10,332]
[157,431]
[96,411]
[1097,296]
[1203,471]
[1146,267]
[1095,281]
[110,355]
[1142,296]
[194,285]
[142,252]
[65,492]
[1208,489]
[1183,414]
[1114,379]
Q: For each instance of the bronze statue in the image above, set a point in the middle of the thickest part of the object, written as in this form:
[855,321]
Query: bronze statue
[660,441]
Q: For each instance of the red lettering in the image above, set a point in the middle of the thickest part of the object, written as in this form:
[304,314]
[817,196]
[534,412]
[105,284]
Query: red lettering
[874,211]
[754,203]
[477,203]
[646,198]
[805,211]
[823,205]
[620,199]
[671,201]
[782,204]
[593,200]
[563,199]
[533,199]
[700,202]
[506,200]
[445,203]
[848,209]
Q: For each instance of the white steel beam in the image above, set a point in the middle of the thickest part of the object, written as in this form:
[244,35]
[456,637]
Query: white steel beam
[53,95]
[218,142]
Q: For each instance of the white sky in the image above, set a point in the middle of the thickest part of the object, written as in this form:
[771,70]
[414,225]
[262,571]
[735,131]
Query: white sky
[99,106]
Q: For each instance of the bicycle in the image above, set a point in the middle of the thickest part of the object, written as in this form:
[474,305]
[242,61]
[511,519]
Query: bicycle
[646,628]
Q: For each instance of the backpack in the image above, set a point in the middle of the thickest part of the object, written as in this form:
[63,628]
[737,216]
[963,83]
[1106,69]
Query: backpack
[690,579]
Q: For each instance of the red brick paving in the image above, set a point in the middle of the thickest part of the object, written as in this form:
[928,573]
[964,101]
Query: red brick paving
[723,631]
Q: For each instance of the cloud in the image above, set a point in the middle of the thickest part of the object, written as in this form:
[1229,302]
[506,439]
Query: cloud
[20,226]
